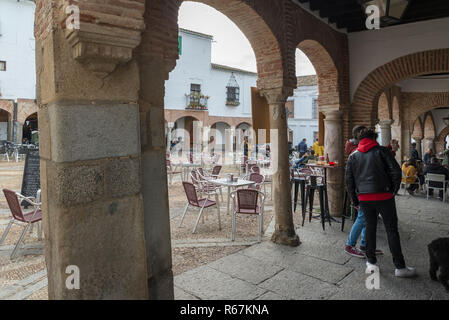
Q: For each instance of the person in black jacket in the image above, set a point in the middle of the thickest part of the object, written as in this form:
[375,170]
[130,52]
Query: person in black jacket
[436,168]
[373,177]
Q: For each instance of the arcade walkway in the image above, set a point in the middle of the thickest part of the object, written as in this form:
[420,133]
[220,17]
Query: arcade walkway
[319,269]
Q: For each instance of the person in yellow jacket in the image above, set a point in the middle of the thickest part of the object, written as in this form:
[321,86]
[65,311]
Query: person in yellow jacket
[410,175]
[319,150]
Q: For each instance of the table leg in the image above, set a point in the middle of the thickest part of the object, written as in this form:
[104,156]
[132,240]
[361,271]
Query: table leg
[296,194]
[229,197]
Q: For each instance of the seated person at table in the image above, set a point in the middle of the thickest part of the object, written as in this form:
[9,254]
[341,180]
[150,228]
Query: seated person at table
[410,175]
[436,168]
[310,155]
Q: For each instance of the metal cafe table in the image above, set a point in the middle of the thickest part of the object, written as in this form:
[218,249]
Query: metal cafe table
[235,184]
[325,167]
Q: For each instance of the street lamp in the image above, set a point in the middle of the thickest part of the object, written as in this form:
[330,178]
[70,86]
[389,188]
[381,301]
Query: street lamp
[391,11]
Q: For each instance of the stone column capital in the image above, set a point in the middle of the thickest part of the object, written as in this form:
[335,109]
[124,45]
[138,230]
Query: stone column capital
[333,115]
[386,123]
[417,139]
[275,95]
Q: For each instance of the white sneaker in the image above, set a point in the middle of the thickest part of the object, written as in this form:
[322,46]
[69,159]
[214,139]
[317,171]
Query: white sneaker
[371,268]
[407,272]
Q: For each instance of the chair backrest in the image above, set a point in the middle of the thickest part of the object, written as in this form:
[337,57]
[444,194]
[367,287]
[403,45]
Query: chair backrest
[251,165]
[247,199]
[13,203]
[201,174]
[190,190]
[435,177]
[194,177]
[257,179]
[216,170]
[255,169]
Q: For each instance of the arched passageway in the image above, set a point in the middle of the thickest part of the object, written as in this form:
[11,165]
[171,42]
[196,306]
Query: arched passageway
[111,74]
[364,108]
[30,129]
[5,119]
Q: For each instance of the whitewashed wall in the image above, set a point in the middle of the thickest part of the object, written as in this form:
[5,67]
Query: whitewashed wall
[194,66]
[303,124]
[17,49]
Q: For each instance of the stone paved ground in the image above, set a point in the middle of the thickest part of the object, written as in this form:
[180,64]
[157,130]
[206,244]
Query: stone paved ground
[319,269]
[208,266]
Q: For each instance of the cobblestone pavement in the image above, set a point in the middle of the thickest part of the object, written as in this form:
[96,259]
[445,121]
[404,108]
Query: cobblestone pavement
[317,269]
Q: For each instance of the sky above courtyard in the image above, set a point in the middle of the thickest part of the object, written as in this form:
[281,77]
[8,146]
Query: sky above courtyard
[230,46]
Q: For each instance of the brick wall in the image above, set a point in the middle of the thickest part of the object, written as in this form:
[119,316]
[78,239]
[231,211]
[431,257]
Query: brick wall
[364,110]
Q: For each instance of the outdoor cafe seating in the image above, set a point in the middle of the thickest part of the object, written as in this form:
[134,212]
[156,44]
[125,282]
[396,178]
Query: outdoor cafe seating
[248,202]
[20,217]
[202,203]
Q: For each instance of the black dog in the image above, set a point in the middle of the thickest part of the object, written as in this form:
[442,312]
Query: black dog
[439,258]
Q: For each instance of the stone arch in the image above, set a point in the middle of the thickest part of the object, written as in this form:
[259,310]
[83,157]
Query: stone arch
[384,107]
[327,73]
[364,110]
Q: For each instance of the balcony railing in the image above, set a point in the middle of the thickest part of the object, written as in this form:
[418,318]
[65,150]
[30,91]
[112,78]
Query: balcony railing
[196,101]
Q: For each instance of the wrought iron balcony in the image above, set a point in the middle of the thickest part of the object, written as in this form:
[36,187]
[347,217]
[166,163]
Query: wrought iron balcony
[196,101]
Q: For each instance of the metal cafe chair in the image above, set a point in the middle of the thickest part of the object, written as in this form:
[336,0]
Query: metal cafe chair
[170,170]
[437,178]
[246,201]
[18,216]
[193,201]
[258,180]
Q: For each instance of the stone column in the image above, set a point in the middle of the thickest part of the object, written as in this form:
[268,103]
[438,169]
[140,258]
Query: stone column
[284,229]
[418,146]
[90,168]
[333,147]
[406,142]
[385,131]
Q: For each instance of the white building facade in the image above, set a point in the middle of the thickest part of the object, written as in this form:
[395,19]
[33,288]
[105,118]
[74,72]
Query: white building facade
[225,94]
[17,67]
[303,111]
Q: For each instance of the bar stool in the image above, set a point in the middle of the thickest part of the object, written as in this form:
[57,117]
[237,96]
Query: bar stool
[311,187]
[298,183]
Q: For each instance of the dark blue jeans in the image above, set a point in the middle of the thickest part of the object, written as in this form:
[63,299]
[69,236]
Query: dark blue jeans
[387,210]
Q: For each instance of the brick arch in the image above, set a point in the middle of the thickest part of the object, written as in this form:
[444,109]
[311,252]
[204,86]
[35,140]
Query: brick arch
[263,41]
[244,122]
[418,132]
[429,126]
[424,102]
[383,107]
[327,73]
[443,134]
[220,121]
[25,108]
[364,110]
